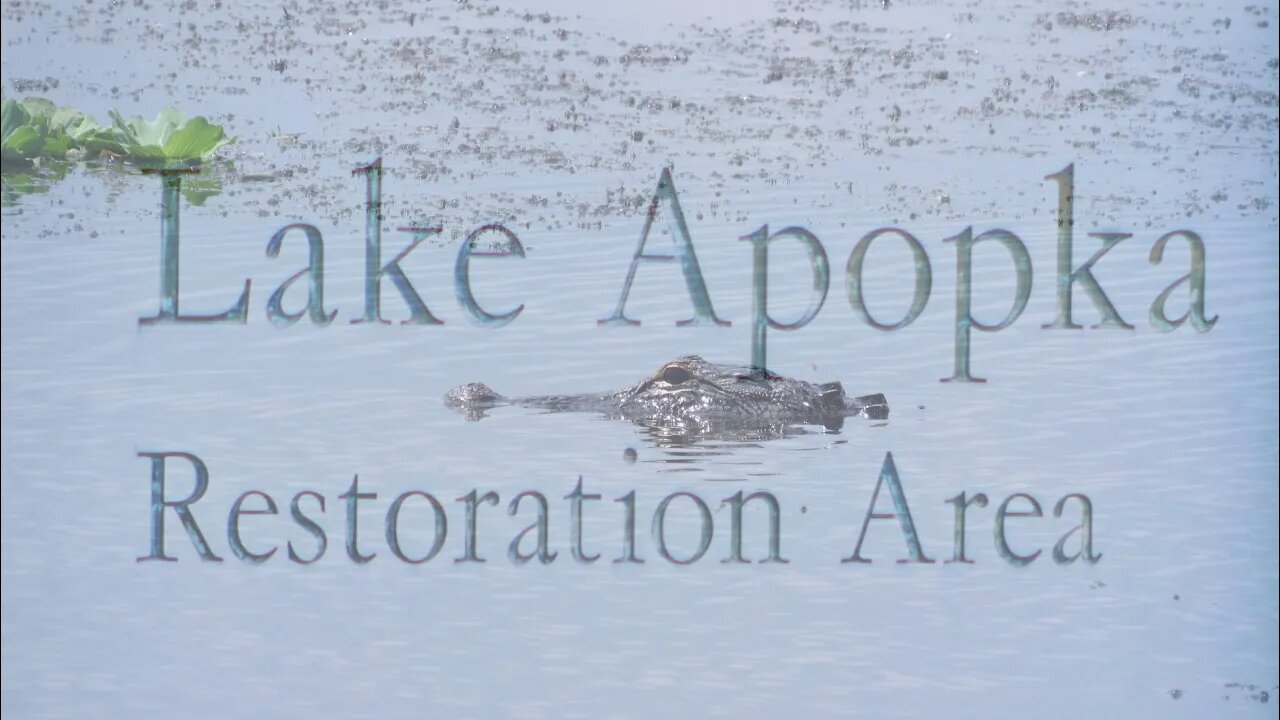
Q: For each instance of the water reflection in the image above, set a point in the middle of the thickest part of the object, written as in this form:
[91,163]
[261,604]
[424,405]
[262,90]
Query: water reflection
[29,179]
[729,455]
[196,189]
[21,179]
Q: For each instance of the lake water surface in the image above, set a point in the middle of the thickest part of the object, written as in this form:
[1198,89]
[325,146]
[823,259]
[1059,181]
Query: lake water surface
[556,119]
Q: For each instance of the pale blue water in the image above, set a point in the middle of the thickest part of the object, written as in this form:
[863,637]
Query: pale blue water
[769,115]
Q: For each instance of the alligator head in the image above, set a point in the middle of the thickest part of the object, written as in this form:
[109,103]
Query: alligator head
[690,397]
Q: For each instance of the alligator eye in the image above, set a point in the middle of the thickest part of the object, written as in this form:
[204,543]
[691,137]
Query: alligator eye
[674,374]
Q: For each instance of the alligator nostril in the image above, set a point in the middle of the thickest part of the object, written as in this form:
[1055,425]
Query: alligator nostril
[674,374]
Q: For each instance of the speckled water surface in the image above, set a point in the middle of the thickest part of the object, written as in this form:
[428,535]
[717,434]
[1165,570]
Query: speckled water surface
[556,120]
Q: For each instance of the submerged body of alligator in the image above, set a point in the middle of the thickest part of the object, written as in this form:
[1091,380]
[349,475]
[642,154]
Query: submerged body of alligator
[690,397]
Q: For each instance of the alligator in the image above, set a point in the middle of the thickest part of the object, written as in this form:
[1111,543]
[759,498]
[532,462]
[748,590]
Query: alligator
[692,398]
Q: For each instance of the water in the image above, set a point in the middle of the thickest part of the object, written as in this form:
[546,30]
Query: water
[838,117]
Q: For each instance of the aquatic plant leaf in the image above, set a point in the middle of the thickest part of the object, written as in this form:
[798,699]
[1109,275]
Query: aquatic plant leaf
[97,141]
[125,133]
[73,123]
[55,146]
[22,139]
[14,117]
[38,109]
[140,132]
[153,153]
[170,137]
[23,143]
[134,134]
[195,139]
[36,128]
